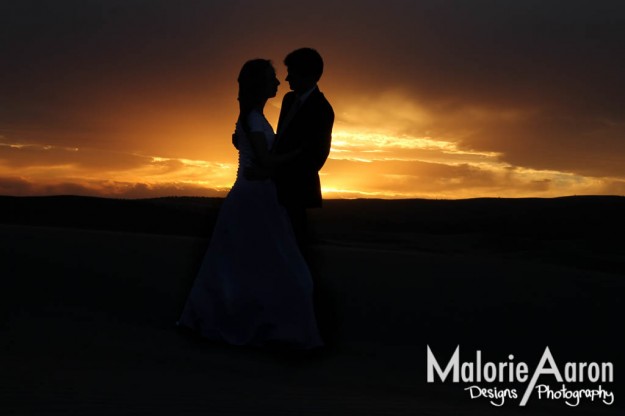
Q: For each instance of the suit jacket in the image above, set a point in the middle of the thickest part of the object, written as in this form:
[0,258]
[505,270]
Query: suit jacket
[297,182]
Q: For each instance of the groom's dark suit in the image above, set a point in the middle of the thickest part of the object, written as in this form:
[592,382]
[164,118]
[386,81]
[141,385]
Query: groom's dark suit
[310,128]
[298,185]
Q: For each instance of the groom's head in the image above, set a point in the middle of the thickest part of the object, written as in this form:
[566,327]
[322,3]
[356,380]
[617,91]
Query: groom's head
[304,68]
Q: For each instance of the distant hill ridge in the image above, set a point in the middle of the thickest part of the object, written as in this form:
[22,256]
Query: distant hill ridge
[195,216]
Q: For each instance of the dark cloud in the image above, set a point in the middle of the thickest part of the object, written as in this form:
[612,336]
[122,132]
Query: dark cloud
[17,186]
[555,141]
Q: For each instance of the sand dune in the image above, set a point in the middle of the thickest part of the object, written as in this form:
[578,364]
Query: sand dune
[88,324]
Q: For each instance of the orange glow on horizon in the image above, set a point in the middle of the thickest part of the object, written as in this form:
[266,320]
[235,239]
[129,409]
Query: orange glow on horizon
[362,164]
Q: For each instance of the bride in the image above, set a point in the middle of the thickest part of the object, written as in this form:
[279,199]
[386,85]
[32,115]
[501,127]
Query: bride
[254,287]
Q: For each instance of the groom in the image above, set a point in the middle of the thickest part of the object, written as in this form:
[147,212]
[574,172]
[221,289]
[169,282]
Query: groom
[306,120]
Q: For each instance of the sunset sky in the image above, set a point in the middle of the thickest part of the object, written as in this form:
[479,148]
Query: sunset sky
[433,99]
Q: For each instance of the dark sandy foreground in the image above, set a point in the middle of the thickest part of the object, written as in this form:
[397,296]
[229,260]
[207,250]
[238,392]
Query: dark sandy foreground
[87,328]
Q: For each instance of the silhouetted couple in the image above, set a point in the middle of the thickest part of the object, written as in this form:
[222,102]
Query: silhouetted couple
[254,286]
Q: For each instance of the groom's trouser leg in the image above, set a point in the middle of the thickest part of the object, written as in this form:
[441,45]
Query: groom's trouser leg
[299,222]
[322,296]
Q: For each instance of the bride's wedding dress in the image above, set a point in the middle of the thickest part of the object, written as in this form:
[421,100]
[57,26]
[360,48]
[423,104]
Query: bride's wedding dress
[253,287]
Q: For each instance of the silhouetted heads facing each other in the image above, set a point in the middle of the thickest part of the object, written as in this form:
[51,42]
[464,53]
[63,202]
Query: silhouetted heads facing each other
[257,83]
[304,68]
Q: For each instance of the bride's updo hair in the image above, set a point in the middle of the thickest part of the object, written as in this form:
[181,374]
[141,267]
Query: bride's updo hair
[253,81]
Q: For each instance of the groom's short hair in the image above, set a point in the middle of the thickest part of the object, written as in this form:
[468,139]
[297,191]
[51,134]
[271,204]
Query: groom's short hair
[306,62]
